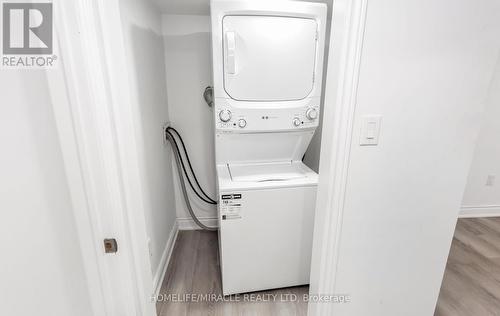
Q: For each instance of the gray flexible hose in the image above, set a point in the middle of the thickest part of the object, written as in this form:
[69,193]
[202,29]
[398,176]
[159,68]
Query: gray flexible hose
[183,186]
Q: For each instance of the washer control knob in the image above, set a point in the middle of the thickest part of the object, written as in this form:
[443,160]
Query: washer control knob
[242,123]
[296,122]
[312,114]
[225,115]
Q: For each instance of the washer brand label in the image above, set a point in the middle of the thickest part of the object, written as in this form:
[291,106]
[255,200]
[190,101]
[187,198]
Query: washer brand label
[231,196]
[230,206]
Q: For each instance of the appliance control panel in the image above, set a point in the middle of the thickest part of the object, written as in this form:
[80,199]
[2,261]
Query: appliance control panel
[235,119]
[230,206]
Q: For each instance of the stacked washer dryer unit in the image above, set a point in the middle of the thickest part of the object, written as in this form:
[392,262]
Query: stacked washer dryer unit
[267,67]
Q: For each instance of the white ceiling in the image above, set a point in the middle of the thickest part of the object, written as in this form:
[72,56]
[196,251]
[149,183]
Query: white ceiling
[197,7]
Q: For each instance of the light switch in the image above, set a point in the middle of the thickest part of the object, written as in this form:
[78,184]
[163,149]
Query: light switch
[370,130]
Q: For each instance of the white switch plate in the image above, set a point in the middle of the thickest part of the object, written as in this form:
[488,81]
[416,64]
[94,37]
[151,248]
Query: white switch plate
[370,130]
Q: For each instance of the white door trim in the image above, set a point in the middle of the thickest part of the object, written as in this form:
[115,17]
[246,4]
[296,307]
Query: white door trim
[94,120]
[348,25]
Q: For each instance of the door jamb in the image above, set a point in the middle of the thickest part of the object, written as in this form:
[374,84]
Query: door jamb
[94,121]
[347,32]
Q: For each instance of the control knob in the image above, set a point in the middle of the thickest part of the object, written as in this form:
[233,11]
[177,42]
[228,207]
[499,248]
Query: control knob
[312,114]
[225,115]
[242,123]
[296,122]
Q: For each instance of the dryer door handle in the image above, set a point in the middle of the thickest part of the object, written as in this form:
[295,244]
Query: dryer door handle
[230,53]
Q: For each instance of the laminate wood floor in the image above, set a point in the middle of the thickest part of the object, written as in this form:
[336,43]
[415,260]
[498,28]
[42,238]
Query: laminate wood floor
[471,284]
[194,269]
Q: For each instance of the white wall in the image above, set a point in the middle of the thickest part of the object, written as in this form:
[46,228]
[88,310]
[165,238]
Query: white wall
[189,71]
[144,50]
[481,198]
[41,268]
[426,67]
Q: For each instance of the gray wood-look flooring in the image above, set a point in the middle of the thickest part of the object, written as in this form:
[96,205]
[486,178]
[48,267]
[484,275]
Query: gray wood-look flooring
[194,269]
[471,284]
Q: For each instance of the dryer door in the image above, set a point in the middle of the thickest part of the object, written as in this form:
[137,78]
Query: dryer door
[269,58]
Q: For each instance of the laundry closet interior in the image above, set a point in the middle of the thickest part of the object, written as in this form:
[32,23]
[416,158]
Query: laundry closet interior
[238,87]
[229,100]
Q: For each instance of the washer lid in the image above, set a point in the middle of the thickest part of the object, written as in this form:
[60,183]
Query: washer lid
[266,172]
[269,58]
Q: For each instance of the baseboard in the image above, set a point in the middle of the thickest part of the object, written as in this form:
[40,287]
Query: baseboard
[479,211]
[187,223]
[165,259]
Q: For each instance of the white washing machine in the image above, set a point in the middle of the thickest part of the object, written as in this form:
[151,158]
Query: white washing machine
[266,216]
[267,67]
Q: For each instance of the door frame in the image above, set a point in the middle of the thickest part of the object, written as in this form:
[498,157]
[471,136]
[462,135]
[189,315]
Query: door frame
[345,48]
[94,120]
